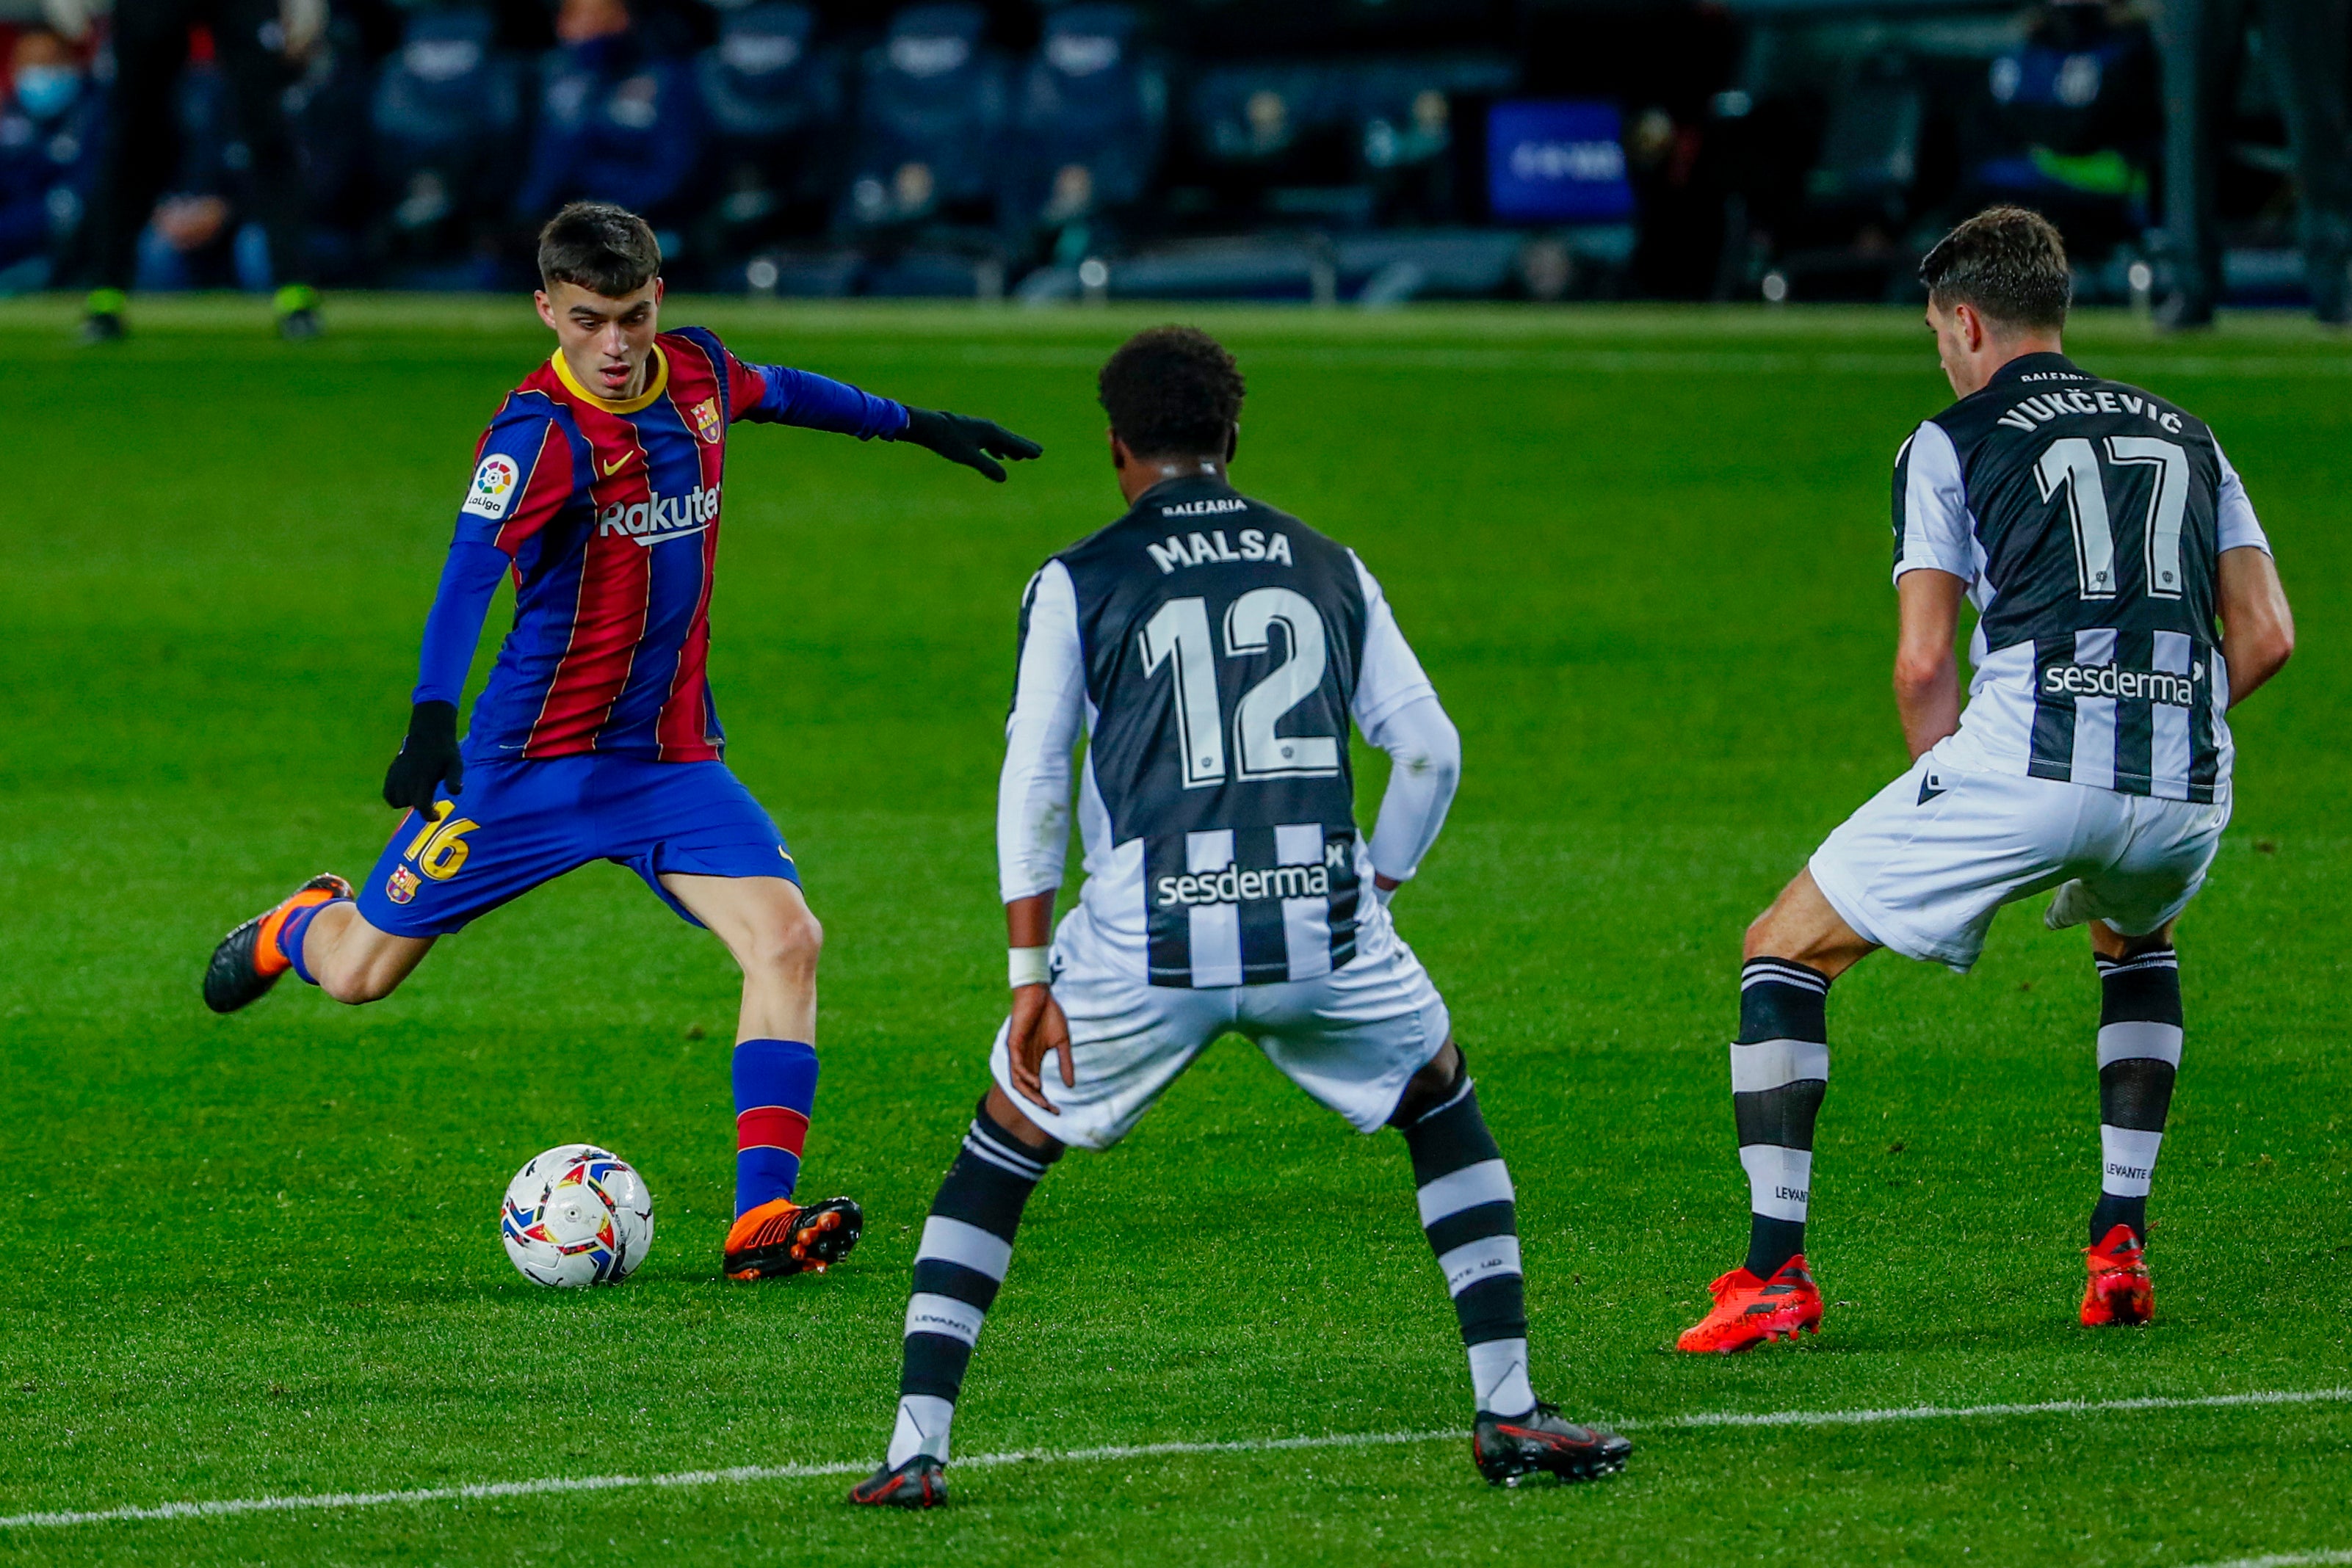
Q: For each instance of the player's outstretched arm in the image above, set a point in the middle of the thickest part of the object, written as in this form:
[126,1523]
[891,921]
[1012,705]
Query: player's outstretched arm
[779,394]
[974,442]
[2257,626]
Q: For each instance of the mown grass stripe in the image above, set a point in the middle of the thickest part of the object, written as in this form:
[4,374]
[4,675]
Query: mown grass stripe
[487,1491]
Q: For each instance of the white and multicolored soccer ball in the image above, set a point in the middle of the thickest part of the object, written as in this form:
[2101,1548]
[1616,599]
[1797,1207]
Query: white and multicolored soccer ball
[577,1215]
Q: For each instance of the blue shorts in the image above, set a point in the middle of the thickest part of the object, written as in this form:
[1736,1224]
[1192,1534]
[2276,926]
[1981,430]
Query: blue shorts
[520,824]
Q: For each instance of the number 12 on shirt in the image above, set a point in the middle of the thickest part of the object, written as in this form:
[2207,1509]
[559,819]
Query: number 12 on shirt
[1177,634]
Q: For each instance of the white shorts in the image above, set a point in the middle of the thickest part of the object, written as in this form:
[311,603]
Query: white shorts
[1351,1037]
[1923,866]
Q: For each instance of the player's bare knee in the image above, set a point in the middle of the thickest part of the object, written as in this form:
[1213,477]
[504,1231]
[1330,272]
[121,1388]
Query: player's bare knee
[789,945]
[2111,943]
[1765,936]
[1768,936]
[999,1108]
[359,985]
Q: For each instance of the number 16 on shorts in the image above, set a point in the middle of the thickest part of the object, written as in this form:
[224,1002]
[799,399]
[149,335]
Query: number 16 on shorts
[439,849]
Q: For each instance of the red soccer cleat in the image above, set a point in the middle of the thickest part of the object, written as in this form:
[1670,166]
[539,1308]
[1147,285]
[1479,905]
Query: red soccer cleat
[1749,1310]
[2120,1290]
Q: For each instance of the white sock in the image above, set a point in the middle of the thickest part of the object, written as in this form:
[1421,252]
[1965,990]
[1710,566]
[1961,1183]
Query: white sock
[922,1429]
[1780,1181]
[2128,1160]
[1498,1375]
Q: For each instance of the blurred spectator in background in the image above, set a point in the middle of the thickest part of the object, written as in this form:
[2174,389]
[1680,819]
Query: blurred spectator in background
[2305,42]
[49,133]
[1407,150]
[771,102]
[259,45]
[448,118]
[1087,132]
[618,122]
[327,111]
[2069,124]
[194,238]
[1675,171]
[931,113]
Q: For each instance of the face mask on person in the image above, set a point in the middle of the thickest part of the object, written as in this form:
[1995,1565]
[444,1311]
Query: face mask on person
[47,91]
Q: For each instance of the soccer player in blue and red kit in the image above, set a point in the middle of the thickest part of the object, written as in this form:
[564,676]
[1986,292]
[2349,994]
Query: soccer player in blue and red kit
[598,488]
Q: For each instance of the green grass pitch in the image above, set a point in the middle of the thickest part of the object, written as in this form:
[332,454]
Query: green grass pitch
[1644,556]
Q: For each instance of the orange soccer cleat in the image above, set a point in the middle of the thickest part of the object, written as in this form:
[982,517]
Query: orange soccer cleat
[247,962]
[779,1236]
[1749,1310]
[2119,1290]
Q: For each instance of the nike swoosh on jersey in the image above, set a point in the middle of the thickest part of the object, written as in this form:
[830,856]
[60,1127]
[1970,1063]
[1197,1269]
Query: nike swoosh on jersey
[616,466]
[647,541]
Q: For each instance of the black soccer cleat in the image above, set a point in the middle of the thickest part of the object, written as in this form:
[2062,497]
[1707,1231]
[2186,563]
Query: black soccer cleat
[779,1236]
[239,974]
[297,308]
[920,1482]
[1509,1449]
[101,316]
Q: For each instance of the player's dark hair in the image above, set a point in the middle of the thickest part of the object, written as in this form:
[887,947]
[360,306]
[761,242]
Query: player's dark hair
[600,248]
[2009,263]
[1172,392]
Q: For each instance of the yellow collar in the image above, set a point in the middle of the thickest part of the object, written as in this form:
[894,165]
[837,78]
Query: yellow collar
[644,400]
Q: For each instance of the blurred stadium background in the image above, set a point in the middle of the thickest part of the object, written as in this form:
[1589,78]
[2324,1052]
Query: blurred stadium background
[1366,152]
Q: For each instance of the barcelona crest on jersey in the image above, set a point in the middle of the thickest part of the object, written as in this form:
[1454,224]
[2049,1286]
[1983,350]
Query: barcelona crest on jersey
[706,422]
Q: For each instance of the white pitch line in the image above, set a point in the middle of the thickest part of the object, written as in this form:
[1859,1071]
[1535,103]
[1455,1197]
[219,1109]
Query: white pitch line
[2047,1407]
[481,1491]
[2280,1560]
[735,1476]
[1574,361]
[475,1491]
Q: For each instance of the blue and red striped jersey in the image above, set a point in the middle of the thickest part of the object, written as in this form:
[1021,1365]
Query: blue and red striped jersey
[607,515]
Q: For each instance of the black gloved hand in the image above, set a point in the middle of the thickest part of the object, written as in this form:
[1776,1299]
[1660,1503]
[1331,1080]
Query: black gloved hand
[974,442]
[427,757]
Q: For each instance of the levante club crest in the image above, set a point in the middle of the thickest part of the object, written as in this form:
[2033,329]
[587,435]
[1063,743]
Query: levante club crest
[706,424]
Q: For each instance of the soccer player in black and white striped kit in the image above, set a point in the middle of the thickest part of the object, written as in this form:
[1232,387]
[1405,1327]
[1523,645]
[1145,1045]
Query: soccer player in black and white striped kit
[2100,535]
[1212,651]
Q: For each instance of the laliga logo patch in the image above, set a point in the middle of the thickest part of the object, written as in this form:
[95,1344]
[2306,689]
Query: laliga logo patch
[494,483]
[400,886]
[705,415]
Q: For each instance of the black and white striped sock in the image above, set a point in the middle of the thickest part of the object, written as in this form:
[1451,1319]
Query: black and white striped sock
[967,1246]
[1780,1071]
[1472,1223]
[2139,1054]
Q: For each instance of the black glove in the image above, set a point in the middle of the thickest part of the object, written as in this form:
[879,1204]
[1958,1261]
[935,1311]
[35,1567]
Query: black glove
[974,442]
[427,758]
